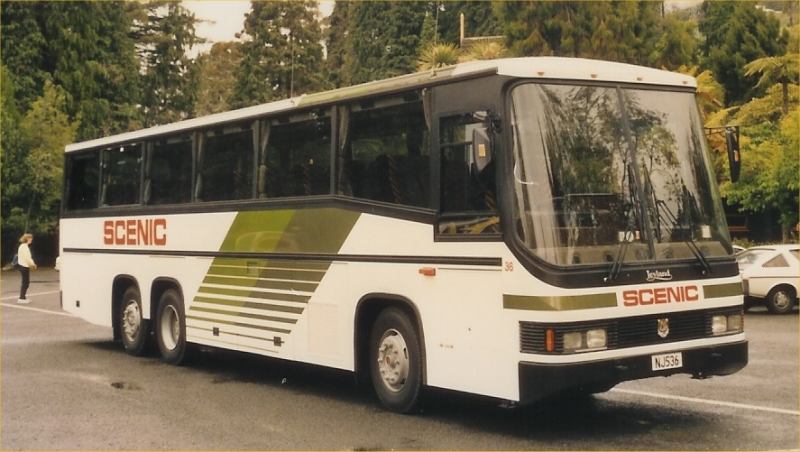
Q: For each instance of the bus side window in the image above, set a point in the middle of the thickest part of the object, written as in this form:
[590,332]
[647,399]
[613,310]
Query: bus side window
[384,153]
[298,156]
[168,171]
[468,194]
[121,172]
[225,164]
[83,180]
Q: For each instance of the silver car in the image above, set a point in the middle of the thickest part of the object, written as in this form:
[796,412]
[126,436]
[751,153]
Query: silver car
[771,275]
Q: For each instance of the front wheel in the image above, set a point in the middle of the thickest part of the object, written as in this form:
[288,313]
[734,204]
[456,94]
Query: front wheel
[132,324]
[780,301]
[396,361]
[171,327]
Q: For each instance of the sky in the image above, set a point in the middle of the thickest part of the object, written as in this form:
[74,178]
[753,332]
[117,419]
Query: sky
[223,19]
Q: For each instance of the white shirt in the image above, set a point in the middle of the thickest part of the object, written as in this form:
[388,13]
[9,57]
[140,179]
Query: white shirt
[24,256]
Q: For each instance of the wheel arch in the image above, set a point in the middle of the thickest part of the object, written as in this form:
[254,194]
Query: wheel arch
[367,310]
[783,285]
[121,283]
[158,287]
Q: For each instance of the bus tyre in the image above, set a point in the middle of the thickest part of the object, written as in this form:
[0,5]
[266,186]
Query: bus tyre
[780,300]
[395,361]
[132,324]
[170,327]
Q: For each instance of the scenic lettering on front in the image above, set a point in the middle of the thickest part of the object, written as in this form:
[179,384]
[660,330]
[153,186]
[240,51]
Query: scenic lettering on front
[135,232]
[661,295]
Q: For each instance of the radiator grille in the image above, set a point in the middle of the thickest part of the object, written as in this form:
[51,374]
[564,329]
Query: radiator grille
[625,332]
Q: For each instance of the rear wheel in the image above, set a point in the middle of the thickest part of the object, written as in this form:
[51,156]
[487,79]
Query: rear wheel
[396,361]
[780,300]
[133,326]
[171,327]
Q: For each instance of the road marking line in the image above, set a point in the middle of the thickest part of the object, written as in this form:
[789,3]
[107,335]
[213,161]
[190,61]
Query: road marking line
[707,401]
[28,308]
[31,295]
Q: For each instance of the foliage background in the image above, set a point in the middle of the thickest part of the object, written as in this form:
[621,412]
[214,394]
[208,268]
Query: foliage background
[74,71]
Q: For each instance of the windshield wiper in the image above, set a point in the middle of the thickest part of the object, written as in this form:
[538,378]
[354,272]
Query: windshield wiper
[686,197]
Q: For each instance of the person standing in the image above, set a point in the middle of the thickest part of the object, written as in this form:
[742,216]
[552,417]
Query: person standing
[24,264]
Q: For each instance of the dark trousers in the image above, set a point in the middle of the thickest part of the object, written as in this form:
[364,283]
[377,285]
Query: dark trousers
[26,280]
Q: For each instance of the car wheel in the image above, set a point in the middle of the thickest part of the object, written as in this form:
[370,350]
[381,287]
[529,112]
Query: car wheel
[132,324]
[396,361]
[780,301]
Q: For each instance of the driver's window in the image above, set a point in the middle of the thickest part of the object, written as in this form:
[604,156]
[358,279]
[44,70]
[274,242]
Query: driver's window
[468,194]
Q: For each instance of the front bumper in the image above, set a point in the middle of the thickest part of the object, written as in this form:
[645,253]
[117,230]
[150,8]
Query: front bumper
[537,380]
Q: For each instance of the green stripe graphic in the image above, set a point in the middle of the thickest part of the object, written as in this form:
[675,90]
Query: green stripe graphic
[559,303]
[722,290]
[289,231]
[249,305]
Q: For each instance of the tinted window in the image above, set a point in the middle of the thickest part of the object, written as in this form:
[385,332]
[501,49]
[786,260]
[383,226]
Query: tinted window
[384,154]
[122,167]
[795,253]
[83,180]
[298,156]
[168,173]
[777,261]
[226,164]
[469,195]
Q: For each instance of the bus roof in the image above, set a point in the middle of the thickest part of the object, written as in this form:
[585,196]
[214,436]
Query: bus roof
[547,68]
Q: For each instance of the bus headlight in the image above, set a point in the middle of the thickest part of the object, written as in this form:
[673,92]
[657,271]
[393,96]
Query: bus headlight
[719,324]
[596,339]
[735,323]
[727,324]
[573,341]
[584,341]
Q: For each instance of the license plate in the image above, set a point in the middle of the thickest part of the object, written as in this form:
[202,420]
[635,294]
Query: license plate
[667,361]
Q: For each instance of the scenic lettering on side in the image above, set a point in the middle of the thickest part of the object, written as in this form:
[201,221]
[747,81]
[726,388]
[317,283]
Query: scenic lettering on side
[135,232]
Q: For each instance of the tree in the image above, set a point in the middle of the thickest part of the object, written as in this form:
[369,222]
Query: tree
[282,54]
[736,33]
[91,55]
[337,43]
[217,77]
[23,48]
[479,19]
[678,45]
[385,38]
[12,157]
[782,70]
[39,183]
[165,32]
[616,31]
[84,47]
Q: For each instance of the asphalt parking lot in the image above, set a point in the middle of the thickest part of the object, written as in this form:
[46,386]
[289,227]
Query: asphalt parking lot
[67,385]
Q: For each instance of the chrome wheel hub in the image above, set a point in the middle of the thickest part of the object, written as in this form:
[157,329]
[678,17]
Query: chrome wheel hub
[131,320]
[393,362]
[170,327]
[782,300]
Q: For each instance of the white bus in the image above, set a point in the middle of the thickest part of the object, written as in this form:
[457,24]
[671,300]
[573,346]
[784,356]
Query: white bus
[512,228]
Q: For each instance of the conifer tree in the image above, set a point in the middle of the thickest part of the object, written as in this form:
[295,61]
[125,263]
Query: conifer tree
[385,37]
[165,31]
[338,44]
[217,76]
[281,55]
[735,34]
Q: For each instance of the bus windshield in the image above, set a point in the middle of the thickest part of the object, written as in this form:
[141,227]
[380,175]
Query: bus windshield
[596,166]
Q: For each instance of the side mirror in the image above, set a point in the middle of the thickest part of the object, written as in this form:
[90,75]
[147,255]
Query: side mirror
[481,148]
[734,157]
